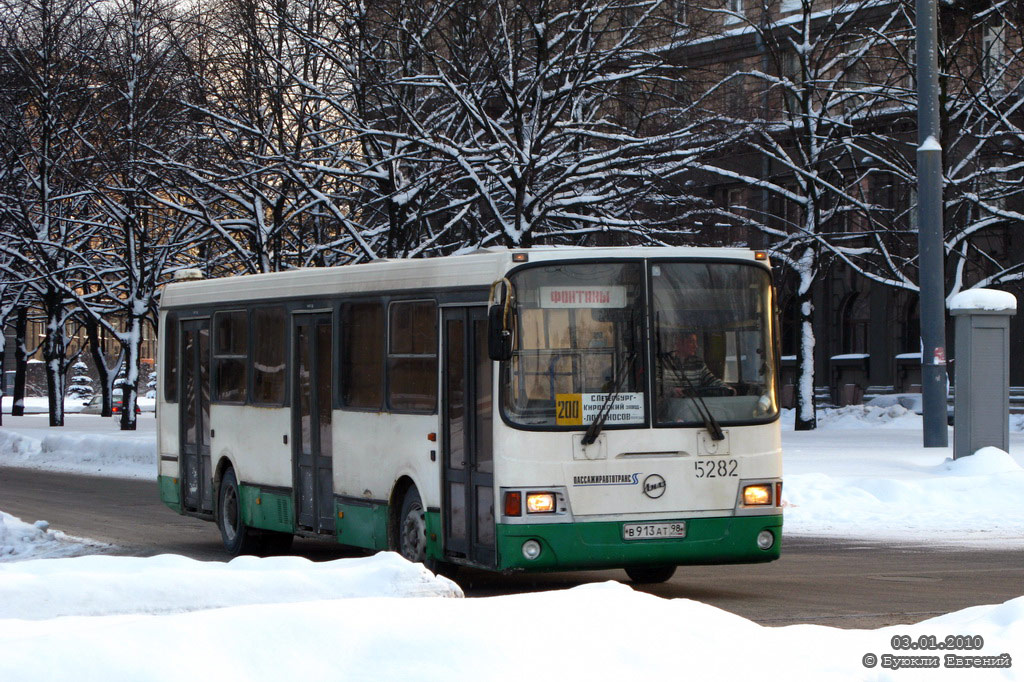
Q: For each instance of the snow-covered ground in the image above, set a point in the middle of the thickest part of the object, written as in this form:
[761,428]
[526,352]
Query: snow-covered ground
[102,618]
[36,405]
[863,474]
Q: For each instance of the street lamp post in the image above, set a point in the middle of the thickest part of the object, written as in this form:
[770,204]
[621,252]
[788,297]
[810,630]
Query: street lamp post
[930,234]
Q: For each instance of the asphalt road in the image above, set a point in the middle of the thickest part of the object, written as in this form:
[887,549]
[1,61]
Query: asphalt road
[850,585]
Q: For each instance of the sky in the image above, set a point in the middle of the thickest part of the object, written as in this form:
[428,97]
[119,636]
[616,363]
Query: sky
[67,613]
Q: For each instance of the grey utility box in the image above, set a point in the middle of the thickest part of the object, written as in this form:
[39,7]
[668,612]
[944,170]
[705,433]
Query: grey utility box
[981,408]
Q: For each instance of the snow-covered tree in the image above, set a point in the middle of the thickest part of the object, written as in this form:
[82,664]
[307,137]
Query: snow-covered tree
[981,67]
[499,122]
[807,105]
[145,75]
[51,95]
[80,385]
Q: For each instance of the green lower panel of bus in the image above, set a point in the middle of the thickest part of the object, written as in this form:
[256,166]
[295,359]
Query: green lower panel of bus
[170,492]
[362,525]
[265,509]
[600,544]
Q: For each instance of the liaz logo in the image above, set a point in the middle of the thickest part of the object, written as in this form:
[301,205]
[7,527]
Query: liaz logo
[654,486]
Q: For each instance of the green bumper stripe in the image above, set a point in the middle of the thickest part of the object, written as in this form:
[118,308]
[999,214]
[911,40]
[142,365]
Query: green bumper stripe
[600,545]
[362,525]
[170,493]
[267,510]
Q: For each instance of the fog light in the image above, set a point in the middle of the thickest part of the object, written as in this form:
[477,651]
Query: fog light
[757,494]
[540,503]
[765,539]
[531,549]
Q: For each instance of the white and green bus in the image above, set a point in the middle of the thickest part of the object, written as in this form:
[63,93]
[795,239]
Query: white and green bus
[538,409]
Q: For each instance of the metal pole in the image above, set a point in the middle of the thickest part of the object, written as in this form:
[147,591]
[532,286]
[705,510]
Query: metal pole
[929,230]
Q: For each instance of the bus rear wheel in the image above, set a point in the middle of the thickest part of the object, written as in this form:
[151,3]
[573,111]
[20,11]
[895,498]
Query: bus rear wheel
[647,575]
[412,528]
[238,538]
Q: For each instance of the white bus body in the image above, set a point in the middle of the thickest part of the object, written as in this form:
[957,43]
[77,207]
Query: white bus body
[362,403]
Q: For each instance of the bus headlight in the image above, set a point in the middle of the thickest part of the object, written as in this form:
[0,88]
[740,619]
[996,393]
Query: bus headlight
[759,494]
[765,539]
[540,503]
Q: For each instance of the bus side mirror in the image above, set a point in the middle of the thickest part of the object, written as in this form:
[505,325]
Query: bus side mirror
[499,339]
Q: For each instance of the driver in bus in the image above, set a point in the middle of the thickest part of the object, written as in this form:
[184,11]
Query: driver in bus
[683,372]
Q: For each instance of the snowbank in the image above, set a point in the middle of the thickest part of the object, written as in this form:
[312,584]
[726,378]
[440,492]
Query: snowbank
[108,585]
[594,632]
[87,444]
[864,474]
[20,540]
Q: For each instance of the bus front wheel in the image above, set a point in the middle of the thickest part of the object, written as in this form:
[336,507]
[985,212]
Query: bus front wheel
[650,574]
[238,538]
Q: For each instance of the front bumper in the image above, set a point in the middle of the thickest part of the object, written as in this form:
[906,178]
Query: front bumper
[599,544]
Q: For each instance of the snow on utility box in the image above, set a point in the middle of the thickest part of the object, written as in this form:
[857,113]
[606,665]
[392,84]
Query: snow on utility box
[981,407]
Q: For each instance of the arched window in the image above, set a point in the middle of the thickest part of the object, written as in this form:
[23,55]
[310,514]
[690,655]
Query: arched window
[910,328]
[855,321]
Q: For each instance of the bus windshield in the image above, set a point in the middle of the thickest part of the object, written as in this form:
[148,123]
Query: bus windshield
[579,347]
[713,343]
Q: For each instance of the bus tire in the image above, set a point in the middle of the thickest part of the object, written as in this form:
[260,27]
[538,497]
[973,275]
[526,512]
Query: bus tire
[411,536]
[647,575]
[411,539]
[238,538]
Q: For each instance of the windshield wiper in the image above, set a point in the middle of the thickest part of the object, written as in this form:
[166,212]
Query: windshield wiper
[609,400]
[710,423]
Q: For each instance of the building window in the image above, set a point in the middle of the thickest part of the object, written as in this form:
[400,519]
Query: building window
[412,356]
[856,322]
[992,58]
[230,353]
[680,8]
[269,329]
[910,336]
[734,200]
[362,355]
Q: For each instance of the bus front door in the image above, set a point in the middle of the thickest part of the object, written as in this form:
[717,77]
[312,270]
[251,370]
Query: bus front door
[313,466]
[196,468]
[466,414]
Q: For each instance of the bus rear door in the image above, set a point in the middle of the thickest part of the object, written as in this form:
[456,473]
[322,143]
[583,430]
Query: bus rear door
[311,422]
[196,468]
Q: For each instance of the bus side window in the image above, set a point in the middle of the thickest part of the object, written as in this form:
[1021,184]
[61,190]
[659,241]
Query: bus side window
[362,355]
[170,363]
[412,356]
[231,347]
[268,355]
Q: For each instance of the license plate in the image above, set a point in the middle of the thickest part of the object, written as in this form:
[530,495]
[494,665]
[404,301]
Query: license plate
[653,531]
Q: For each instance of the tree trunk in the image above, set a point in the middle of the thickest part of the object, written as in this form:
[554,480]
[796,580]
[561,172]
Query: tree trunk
[92,331]
[129,390]
[54,355]
[806,419]
[20,362]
